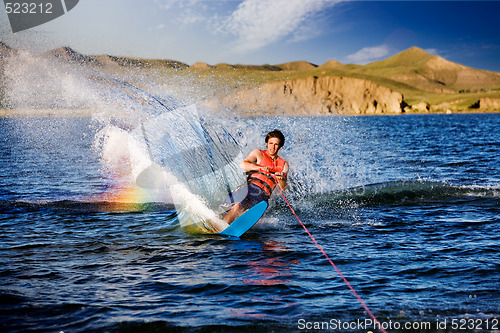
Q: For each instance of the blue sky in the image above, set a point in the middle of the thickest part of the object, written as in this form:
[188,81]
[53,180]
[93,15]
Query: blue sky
[272,31]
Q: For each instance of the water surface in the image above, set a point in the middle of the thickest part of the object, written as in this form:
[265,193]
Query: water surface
[406,206]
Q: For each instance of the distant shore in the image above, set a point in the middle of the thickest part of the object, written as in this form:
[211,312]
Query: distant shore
[411,82]
[87,113]
[45,113]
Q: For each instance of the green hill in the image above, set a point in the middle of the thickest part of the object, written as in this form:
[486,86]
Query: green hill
[430,73]
[297,66]
[420,77]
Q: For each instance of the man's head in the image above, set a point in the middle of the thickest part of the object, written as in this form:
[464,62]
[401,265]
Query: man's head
[277,135]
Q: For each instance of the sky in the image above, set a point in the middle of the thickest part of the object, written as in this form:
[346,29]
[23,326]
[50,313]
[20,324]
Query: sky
[271,31]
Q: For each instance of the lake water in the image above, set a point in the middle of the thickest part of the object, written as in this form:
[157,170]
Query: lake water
[407,207]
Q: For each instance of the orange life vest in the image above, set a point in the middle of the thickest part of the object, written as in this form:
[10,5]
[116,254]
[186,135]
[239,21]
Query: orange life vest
[263,179]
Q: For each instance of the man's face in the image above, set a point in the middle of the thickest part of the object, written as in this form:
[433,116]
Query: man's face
[273,145]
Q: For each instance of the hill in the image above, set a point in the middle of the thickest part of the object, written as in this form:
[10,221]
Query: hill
[200,65]
[331,64]
[421,70]
[425,82]
[141,63]
[70,55]
[411,81]
[297,66]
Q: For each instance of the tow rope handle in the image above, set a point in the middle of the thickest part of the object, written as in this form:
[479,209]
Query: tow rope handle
[360,300]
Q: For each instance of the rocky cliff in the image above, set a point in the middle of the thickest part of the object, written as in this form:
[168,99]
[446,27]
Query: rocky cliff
[488,104]
[430,84]
[314,96]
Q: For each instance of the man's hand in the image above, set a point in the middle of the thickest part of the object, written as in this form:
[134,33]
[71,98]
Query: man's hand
[280,175]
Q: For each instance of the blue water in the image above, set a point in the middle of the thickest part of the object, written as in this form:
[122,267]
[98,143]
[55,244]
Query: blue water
[407,207]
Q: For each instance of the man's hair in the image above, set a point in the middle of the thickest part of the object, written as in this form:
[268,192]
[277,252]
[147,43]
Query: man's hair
[276,134]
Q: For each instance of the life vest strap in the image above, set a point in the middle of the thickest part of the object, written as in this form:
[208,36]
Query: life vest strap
[264,179]
[266,174]
[259,182]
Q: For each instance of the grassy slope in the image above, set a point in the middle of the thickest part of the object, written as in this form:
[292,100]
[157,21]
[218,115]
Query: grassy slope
[407,72]
[213,82]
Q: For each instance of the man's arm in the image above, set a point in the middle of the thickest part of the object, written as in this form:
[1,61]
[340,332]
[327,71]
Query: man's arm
[250,162]
[281,177]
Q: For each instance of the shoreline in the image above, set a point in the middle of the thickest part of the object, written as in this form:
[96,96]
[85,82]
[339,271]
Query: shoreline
[46,113]
[88,113]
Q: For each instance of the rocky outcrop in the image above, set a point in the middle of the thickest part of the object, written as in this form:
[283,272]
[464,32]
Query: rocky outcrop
[314,96]
[487,104]
[419,107]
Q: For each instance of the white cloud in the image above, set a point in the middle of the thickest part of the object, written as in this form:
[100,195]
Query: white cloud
[158,27]
[190,16]
[257,23]
[369,54]
[185,12]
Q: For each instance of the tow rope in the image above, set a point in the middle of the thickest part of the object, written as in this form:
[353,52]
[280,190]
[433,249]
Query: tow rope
[332,263]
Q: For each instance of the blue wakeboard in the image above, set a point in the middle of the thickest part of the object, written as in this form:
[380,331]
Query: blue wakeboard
[245,221]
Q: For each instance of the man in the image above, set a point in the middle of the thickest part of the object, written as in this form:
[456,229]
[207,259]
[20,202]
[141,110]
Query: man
[266,170]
